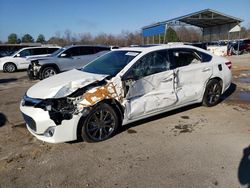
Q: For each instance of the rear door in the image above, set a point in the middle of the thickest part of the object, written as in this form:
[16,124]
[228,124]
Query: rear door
[149,85]
[192,73]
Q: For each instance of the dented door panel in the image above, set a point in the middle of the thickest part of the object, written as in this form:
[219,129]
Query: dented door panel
[150,94]
[191,81]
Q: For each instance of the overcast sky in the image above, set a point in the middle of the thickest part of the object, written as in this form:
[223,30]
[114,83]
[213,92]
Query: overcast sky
[49,17]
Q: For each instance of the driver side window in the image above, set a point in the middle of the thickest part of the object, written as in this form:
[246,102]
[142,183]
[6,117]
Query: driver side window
[25,53]
[151,63]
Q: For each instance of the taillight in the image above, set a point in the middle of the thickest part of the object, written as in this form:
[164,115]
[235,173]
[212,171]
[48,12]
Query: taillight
[229,64]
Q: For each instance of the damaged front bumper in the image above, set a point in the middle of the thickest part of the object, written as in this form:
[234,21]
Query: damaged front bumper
[43,128]
[33,70]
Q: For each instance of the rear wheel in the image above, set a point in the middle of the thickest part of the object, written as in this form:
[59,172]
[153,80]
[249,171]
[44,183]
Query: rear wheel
[100,124]
[48,72]
[212,93]
[9,67]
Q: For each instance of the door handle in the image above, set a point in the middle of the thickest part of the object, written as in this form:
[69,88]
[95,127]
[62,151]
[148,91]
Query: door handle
[167,80]
[206,69]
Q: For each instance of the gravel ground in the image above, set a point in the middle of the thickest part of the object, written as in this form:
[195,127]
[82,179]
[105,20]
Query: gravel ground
[191,147]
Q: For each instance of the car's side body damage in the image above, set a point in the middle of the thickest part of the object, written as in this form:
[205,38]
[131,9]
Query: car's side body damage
[133,98]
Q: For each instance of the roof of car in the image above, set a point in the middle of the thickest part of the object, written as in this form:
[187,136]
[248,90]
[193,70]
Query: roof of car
[149,48]
[69,46]
[34,47]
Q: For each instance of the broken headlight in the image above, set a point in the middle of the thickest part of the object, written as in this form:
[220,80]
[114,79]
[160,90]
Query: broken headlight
[58,109]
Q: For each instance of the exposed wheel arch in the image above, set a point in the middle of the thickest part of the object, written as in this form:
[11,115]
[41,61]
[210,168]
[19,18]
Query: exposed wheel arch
[46,66]
[119,110]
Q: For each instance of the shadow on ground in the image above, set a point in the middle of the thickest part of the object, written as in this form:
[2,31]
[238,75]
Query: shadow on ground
[153,118]
[7,80]
[229,92]
[2,119]
[244,168]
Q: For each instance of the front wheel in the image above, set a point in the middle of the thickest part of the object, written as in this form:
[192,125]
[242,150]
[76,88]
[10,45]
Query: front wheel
[212,93]
[9,67]
[48,72]
[100,124]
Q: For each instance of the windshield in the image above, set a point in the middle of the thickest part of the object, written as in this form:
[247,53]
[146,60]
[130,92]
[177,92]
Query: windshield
[55,53]
[110,63]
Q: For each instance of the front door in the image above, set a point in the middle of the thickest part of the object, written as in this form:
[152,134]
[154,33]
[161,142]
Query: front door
[150,85]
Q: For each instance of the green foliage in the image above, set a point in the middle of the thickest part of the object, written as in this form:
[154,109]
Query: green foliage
[12,38]
[27,38]
[40,38]
[171,35]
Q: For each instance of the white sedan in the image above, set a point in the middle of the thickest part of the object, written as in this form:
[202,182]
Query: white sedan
[120,87]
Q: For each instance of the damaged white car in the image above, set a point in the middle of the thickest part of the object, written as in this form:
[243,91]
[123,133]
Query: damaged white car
[120,87]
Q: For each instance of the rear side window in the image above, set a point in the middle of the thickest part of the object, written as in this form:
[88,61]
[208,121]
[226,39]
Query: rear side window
[99,49]
[39,51]
[51,50]
[183,57]
[204,57]
[87,50]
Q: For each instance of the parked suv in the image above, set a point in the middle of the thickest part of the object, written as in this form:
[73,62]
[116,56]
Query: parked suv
[64,59]
[20,59]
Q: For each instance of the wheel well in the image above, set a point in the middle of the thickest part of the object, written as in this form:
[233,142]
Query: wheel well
[50,65]
[114,104]
[117,107]
[11,63]
[218,79]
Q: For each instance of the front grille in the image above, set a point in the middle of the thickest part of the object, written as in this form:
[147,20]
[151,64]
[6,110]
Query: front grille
[30,122]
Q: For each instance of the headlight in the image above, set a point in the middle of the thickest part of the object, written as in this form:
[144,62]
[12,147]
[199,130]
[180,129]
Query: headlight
[35,63]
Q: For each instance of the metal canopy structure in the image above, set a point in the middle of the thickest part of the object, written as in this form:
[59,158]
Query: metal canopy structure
[210,21]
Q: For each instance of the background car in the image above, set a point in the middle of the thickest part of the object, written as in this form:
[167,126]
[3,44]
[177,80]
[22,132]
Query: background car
[67,58]
[244,46]
[121,87]
[20,59]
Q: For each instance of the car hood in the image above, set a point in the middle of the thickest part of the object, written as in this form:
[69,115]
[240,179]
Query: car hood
[48,57]
[63,84]
[39,57]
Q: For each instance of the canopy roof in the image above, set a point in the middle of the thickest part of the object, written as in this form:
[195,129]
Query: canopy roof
[203,19]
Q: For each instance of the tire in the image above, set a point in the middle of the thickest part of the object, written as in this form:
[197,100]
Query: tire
[48,72]
[100,124]
[9,67]
[212,93]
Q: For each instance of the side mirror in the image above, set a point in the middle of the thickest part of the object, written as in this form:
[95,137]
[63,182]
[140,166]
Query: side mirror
[17,55]
[64,55]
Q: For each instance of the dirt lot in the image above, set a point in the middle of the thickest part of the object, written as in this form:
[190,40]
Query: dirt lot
[191,147]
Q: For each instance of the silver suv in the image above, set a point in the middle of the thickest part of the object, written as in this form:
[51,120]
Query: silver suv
[64,59]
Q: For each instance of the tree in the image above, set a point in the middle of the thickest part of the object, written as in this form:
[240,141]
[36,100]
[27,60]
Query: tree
[27,38]
[171,35]
[12,38]
[40,38]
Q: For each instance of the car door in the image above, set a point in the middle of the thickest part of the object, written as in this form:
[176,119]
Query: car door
[70,59]
[191,74]
[87,54]
[20,58]
[149,85]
